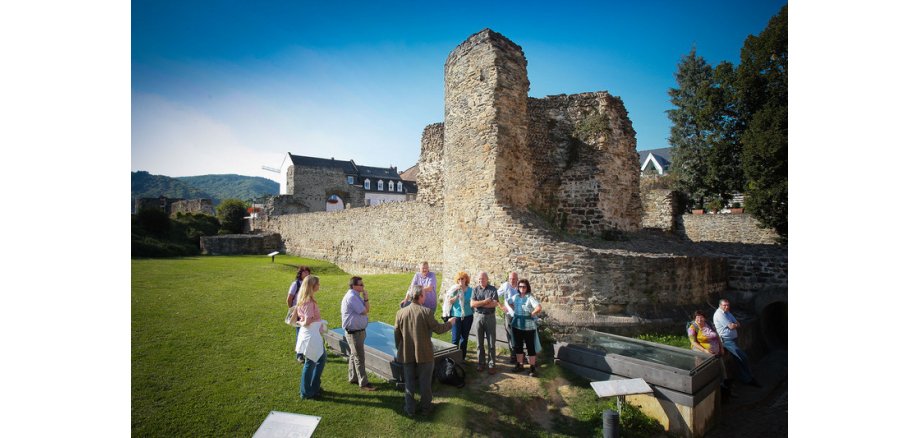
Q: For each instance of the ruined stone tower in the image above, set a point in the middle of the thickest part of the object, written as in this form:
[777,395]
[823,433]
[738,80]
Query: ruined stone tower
[570,159]
[485,165]
[512,183]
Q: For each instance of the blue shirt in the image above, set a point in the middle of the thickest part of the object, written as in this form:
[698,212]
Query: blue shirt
[352,307]
[507,291]
[466,310]
[721,319]
[523,308]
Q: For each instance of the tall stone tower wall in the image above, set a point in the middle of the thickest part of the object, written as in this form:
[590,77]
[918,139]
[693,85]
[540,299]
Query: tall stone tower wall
[485,131]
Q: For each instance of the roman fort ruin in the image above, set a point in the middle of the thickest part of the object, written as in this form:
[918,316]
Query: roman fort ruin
[547,187]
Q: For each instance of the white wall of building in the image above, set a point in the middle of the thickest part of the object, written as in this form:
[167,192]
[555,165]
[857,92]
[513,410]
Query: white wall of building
[380,198]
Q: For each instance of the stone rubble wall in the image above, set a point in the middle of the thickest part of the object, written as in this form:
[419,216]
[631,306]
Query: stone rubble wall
[203,206]
[236,244]
[284,204]
[750,275]
[493,180]
[738,228]
[659,209]
[430,166]
[488,225]
[391,237]
[583,150]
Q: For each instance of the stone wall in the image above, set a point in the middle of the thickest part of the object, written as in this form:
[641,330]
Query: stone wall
[496,179]
[488,224]
[235,244]
[660,209]
[284,204]
[583,150]
[203,206]
[430,170]
[750,275]
[385,238]
[311,186]
[738,228]
[162,203]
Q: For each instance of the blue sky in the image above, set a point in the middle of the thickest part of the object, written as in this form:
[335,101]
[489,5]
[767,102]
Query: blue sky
[229,86]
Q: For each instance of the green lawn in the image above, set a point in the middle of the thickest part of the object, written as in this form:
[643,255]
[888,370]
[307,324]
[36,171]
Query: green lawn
[211,356]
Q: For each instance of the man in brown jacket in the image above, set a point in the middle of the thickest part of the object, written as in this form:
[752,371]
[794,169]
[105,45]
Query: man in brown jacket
[412,331]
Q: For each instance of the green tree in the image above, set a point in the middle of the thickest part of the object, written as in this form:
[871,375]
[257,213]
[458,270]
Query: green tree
[231,212]
[763,82]
[154,221]
[725,176]
[693,121]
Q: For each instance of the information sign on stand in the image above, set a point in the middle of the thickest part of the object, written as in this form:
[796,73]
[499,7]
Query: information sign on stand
[620,389]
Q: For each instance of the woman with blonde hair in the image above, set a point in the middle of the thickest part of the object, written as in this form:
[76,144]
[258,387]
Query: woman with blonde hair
[459,296]
[302,272]
[310,340]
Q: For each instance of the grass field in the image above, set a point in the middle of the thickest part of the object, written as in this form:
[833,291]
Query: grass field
[211,356]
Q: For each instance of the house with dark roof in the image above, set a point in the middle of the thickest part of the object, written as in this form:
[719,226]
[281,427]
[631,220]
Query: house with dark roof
[322,184]
[655,161]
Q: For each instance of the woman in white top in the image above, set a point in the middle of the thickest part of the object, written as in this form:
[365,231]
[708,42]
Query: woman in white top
[310,341]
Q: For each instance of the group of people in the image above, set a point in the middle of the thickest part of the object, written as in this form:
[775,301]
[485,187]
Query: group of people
[463,307]
[475,306]
[723,337]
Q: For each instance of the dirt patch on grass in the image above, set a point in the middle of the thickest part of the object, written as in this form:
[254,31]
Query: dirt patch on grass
[529,399]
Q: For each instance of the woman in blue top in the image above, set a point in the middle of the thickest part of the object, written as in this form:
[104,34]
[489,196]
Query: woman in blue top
[459,296]
[525,307]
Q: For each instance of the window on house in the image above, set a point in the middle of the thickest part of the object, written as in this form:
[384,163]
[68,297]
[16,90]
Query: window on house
[380,185]
[367,184]
[399,187]
[351,179]
[391,186]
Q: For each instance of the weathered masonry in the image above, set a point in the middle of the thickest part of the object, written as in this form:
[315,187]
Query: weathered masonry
[545,187]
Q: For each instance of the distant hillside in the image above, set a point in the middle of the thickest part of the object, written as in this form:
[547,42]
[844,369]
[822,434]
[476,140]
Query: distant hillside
[233,186]
[145,185]
[215,187]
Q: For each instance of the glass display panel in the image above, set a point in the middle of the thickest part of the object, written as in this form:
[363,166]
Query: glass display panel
[622,346]
[380,338]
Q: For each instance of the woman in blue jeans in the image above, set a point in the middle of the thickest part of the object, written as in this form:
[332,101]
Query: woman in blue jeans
[460,295]
[309,340]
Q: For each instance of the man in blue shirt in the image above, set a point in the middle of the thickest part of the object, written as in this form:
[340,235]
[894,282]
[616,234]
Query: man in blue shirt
[355,307]
[727,326]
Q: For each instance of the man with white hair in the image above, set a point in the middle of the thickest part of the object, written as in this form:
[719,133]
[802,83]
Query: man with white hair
[727,327]
[484,302]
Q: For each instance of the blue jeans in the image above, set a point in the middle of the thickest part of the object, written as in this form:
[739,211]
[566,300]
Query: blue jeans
[460,333]
[745,374]
[310,377]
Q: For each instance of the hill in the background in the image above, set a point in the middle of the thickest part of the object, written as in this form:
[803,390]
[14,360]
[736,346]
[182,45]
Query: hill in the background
[233,186]
[145,185]
[215,187]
